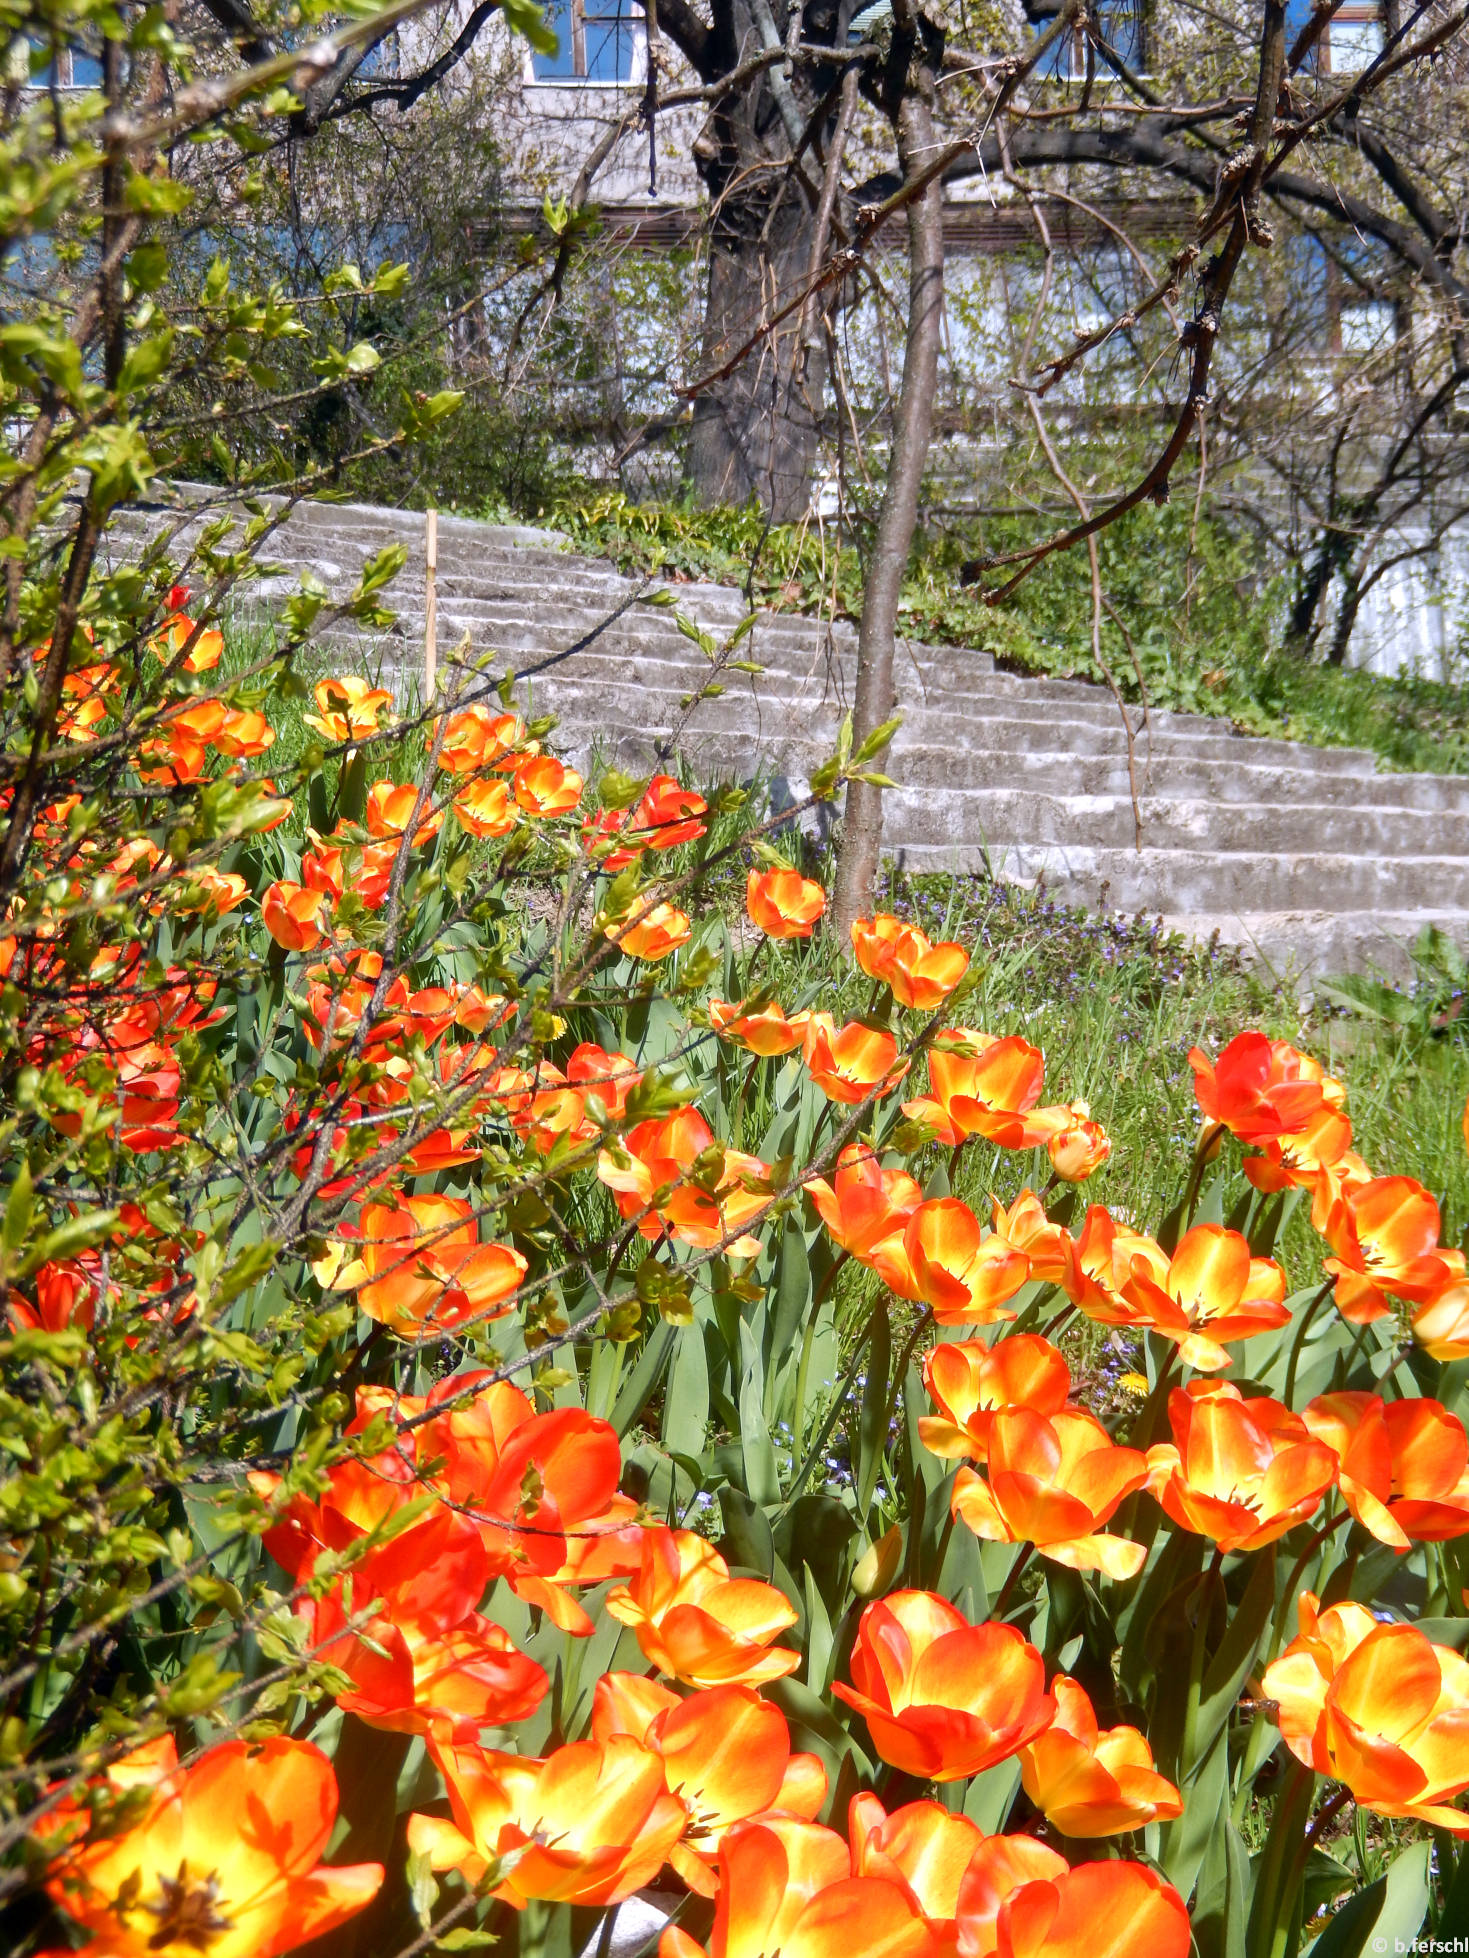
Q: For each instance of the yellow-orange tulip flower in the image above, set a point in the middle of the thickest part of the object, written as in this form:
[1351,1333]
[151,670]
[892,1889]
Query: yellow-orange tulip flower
[1104,1265]
[916,972]
[697,1623]
[293,915]
[785,1891]
[1242,1472]
[588,1825]
[476,737]
[1403,1466]
[944,1699]
[783,903]
[654,935]
[226,1858]
[1441,1323]
[726,1756]
[348,709]
[864,1204]
[1047,1247]
[763,1030]
[1054,1483]
[964,1277]
[420,1266]
[852,1062]
[1019,1900]
[390,807]
[920,1847]
[482,809]
[545,786]
[972,1382]
[1089,1783]
[1212,1292]
[981,1086]
[1378,1707]
[1385,1236]
[1076,1145]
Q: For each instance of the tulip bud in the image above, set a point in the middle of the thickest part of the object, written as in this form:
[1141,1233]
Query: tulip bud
[878,1565]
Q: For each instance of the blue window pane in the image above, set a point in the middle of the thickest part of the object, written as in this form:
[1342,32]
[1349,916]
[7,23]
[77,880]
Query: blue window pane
[609,46]
[549,66]
[86,71]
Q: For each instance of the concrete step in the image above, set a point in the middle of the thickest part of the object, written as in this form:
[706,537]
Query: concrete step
[1207,880]
[1308,858]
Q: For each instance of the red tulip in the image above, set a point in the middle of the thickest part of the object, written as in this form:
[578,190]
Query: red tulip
[1262,1089]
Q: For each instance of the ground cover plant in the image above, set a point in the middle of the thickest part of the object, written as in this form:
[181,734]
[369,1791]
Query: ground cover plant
[1191,625]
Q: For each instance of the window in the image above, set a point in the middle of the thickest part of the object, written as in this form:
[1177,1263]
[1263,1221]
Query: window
[1353,37]
[600,41]
[70,68]
[1120,23]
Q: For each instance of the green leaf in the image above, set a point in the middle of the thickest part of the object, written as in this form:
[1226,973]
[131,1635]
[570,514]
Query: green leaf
[872,1418]
[877,740]
[1386,1916]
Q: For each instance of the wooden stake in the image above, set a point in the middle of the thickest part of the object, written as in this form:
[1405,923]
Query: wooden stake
[431,605]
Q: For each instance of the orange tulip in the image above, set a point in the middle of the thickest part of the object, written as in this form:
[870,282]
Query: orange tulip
[421,1267]
[668,814]
[765,1030]
[920,1847]
[943,1699]
[1385,1236]
[785,1892]
[244,733]
[1403,1466]
[1212,1291]
[972,1382]
[726,1756]
[704,1194]
[783,903]
[544,786]
[964,1277]
[697,1623]
[178,629]
[981,1086]
[292,915]
[483,809]
[219,890]
[654,934]
[1104,1267]
[916,972]
[348,709]
[853,1062]
[476,737]
[609,1076]
[1026,1228]
[1076,1145]
[590,1824]
[1301,1161]
[1242,1472]
[1019,1900]
[1441,1323]
[1378,1707]
[864,1204]
[1089,1783]
[1054,1483]
[390,807]
[1262,1089]
[528,1483]
[226,1857]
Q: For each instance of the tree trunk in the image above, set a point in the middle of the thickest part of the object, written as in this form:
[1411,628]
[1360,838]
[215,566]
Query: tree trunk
[756,430]
[755,433]
[861,844]
[1346,616]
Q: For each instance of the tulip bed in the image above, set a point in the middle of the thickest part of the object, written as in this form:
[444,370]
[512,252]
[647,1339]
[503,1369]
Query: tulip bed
[508,1421]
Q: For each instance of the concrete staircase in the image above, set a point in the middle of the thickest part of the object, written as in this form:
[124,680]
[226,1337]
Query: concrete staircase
[1306,857]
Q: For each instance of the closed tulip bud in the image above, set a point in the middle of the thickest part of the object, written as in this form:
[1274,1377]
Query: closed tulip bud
[878,1565]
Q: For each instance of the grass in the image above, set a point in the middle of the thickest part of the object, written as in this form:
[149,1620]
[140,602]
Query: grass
[1192,623]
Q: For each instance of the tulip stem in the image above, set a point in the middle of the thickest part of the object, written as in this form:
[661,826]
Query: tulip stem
[1208,1136]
